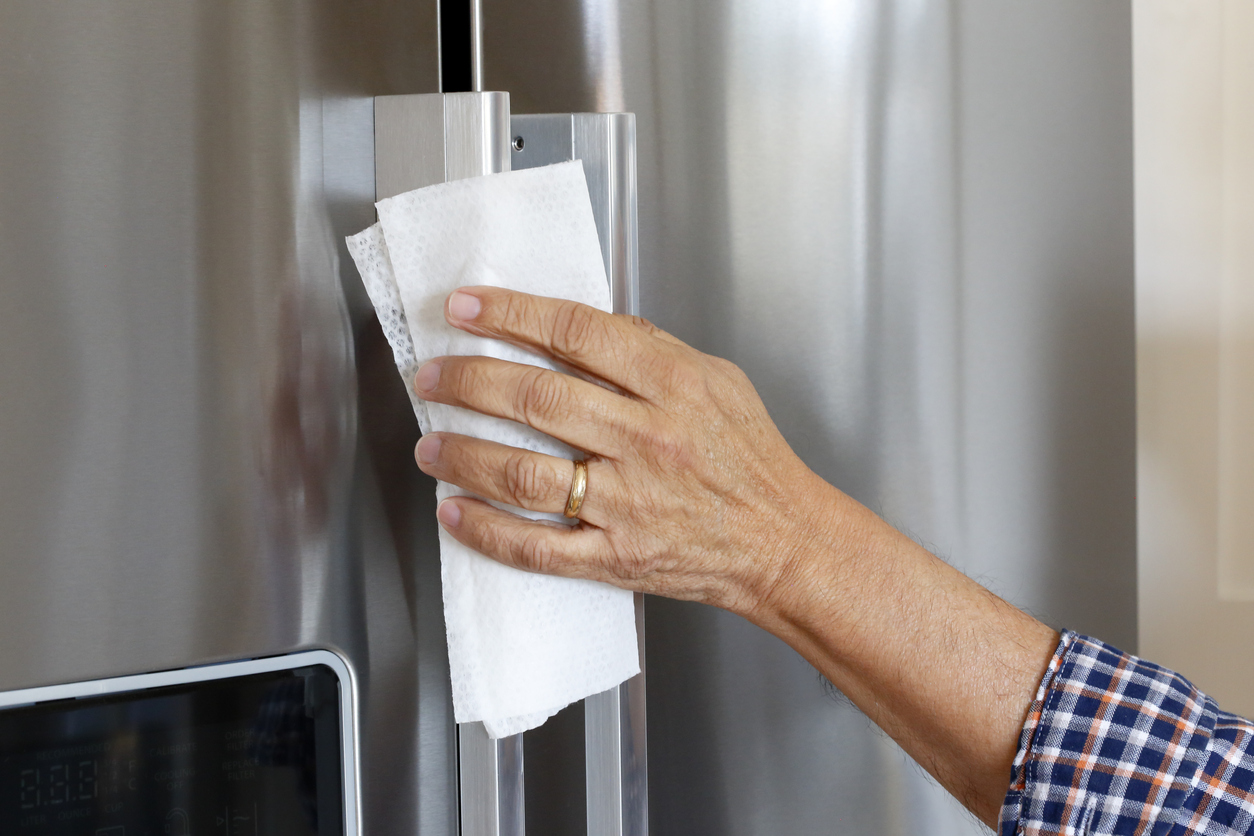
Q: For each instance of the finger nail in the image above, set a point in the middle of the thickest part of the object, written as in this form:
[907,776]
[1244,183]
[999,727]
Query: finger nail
[448,513]
[428,376]
[463,306]
[428,450]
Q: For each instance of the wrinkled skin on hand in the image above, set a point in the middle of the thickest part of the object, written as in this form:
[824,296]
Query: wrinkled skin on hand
[692,491]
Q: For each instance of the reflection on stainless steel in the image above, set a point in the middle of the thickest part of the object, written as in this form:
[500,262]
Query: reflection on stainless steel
[184,355]
[603,53]
[493,802]
[911,224]
[476,46]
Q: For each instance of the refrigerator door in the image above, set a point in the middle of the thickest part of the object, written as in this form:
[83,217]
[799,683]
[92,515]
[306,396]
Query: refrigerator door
[205,452]
[911,224]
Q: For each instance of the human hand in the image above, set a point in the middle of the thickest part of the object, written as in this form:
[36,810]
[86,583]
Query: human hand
[692,491]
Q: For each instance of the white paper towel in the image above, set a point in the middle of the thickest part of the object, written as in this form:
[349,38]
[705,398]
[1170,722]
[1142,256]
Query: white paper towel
[521,646]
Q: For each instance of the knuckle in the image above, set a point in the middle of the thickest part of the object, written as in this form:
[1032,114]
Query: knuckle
[524,483]
[519,317]
[733,373]
[460,376]
[534,552]
[645,326]
[633,564]
[509,315]
[725,367]
[632,559]
[579,330]
[665,444]
[682,378]
[540,394]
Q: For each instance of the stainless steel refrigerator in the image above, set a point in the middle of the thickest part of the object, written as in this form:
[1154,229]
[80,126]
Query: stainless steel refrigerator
[909,221]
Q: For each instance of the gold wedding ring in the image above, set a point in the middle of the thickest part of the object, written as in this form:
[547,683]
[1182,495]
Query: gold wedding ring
[578,487]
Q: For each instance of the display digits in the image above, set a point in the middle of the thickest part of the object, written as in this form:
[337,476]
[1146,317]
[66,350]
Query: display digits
[28,789]
[59,784]
[62,783]
[86,780]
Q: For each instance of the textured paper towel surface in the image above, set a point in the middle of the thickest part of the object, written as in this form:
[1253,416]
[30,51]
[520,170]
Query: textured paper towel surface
[370,253]
[521,646]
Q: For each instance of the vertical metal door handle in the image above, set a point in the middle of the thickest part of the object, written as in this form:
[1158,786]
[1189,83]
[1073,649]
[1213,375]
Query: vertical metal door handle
[427,139]
[420,141]
[491,783]
[614,721]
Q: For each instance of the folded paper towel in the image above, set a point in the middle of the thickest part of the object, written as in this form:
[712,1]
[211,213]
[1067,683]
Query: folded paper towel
[521,646]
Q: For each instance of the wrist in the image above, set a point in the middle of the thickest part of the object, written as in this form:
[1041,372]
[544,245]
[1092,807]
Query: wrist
[806,551]
[843,588]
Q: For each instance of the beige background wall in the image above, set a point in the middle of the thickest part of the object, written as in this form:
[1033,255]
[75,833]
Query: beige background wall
[1194,82]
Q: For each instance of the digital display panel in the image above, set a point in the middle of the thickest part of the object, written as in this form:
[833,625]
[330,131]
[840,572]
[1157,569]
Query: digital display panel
[245,756]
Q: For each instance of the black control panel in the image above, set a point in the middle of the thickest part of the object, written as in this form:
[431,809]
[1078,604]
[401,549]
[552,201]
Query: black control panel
[255,755]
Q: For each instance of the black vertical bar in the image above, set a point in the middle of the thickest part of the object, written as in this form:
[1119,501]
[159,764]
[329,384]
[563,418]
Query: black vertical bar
[455,58]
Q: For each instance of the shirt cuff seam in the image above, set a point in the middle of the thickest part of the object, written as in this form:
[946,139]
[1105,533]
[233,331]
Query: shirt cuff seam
[1061,664]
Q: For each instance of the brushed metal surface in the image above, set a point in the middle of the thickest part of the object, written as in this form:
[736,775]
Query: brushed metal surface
[476,139]
[409,149]
[432,138]
[910,222]
[541,139]
[204,450]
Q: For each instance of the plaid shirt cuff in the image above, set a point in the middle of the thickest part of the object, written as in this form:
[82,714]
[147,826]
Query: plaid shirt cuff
[1116,745]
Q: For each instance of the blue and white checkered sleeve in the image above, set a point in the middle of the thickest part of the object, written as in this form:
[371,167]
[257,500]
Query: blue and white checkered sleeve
[1117,745]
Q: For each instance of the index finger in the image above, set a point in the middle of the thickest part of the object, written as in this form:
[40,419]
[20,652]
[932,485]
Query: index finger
[625,351]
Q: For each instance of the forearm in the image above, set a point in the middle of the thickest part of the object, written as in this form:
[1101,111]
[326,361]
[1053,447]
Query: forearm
[945,667]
